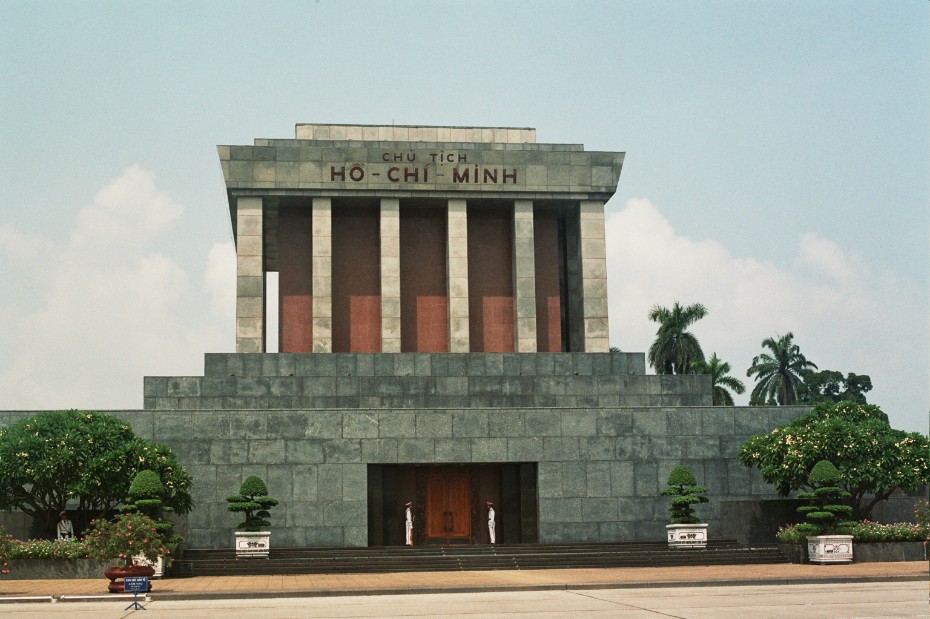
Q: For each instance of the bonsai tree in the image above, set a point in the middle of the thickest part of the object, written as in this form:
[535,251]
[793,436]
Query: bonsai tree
[825,514]
[147,495]
[682,484]
[254,502]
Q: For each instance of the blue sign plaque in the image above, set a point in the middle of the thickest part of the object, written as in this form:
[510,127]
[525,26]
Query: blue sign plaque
[136,584]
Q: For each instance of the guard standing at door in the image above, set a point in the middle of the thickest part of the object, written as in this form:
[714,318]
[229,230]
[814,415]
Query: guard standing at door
[408,523]
[491,523]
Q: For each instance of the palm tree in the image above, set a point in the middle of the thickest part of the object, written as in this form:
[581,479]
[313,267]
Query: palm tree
[719,379]
[675,348]
[780,374]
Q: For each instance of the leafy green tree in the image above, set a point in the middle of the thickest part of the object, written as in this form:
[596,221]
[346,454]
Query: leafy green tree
[832,386]
[252,501]
[675,348]
[873,458]
[780,374]
[50,458]
[720,379]
[682,484]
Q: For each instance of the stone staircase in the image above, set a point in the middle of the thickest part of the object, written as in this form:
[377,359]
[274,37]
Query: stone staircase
[460,558]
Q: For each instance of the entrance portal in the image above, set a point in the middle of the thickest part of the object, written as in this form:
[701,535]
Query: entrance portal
[448,508]
[450,503]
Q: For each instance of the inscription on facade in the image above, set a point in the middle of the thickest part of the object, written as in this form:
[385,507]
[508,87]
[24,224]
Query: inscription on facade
[424,173]
[411,156]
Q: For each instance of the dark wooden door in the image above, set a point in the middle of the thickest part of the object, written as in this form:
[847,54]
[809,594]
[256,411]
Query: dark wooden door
[448,507]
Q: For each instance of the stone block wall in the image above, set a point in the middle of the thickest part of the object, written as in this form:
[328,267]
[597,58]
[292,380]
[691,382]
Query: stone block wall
[416,380]
[600,471]
[603,434]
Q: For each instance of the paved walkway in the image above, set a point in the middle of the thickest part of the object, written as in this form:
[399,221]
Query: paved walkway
[317,585]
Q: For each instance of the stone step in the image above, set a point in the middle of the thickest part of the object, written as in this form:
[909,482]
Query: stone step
[459,558]
[458,549]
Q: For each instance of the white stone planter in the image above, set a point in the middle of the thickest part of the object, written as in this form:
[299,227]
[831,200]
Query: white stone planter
[253,544]
[830,549]
[158,565]
[687,535]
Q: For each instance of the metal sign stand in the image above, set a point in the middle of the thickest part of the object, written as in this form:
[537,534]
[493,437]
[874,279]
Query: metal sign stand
[136,584]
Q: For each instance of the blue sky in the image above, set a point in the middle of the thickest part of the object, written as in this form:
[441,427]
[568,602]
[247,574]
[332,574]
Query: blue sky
[776,170]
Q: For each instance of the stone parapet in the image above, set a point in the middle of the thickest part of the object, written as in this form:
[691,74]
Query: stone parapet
[414,133]
[428,364]
[417,380]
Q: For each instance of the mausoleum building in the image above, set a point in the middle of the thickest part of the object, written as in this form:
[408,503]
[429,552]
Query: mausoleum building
[438,335]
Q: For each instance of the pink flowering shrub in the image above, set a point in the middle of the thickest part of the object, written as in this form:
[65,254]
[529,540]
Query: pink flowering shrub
[126,536]
[48,549]
[864,531]
[5,543]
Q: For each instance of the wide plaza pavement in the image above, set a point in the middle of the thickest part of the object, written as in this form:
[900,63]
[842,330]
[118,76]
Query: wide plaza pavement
[322,585]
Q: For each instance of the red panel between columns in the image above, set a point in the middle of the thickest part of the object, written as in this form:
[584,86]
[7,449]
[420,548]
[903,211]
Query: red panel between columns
[490,279]
[295,291]
[548,298]
[356,279]
[424,299]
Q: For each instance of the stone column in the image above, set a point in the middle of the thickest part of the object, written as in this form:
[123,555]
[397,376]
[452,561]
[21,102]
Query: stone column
[594,276]
[250,276]
[390,275]
[524,275]
[457,272]
[322,253]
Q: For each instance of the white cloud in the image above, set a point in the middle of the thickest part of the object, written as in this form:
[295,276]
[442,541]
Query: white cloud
[844,316]
[104,308]
[825,256]
[128,210]
[18,246]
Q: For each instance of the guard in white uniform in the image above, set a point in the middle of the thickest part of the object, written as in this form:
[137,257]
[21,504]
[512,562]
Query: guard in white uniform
[64,527]
[409,524]
[491,523]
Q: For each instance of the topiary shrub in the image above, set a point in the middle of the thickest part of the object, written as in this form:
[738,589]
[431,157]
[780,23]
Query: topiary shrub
[253,501]
[147,496]
[682,484]
[825,514]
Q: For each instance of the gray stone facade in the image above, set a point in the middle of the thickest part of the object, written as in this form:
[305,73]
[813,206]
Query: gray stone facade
[603,434]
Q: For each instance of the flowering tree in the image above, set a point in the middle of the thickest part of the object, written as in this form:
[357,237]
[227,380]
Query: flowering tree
[873,458]
[49,458]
